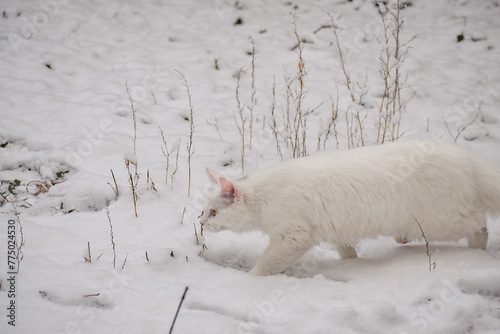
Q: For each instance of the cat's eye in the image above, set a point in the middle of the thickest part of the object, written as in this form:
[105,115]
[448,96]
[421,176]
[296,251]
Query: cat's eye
[213,212]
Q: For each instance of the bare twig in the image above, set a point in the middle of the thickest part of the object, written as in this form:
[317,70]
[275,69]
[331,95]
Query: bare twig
[196,234]
[133,178]
[112,236]
[332,124]
[93,295]
[150,181]
[20,237]
[392,107]
[134,116]
[348,81]
[432,264]
[89,257]
[241,121]
[166,153]
[133,181]
[462,128]
[124,261]
[274,126]
[215,125]
[253,99]
[183,214]
[324,26]
[174,173]
[115,188]
[299,147]
[178,309]
[190,147]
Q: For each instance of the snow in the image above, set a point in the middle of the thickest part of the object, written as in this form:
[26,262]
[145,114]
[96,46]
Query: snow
[66,122]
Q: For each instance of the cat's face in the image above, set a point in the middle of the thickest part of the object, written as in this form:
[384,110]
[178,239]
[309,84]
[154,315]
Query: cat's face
[225,208]
[214,212]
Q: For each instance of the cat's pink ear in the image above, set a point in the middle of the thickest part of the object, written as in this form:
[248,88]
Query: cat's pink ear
[213,175]
[229,189]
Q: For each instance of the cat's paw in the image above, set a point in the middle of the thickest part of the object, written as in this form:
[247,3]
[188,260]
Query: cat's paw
[256,271]
[347,252]
[401,239]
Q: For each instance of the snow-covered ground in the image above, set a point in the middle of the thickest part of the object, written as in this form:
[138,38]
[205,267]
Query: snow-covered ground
[67,121]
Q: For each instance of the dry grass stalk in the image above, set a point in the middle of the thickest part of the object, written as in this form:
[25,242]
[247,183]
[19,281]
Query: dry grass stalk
[461,128]
[183,214]
[112,236]
[134,115]
[89,254]
[354,120]
[348,81]
[392,107]
[241,120]
[176,168]
[20,242]
[115,188]
[215,125]
[253,100]
[190,147]
[274,126]
[196,234]
[332,125]
[432,264]
[133,181]
[178,309]
[166,153]
[298,126]
[124,261]
[150,182]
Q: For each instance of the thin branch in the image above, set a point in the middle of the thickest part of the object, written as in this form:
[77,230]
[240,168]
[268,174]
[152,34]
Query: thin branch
[178,309]
[112,236]
[166,153]
[125,261]
[134,112]
[133,181]
[115,188]
[240,124]
[432,264]
[461,128]
[172,176]
[19,241]
[196,235]
[215,125]
[253,99]
[348,81]
[183,214]
[89,258]
[190,148]
[274,126]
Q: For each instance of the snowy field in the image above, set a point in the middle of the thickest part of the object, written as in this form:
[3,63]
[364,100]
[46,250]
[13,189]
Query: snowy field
[87,85]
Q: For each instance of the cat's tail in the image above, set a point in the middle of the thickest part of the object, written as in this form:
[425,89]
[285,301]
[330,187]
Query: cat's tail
[488,179]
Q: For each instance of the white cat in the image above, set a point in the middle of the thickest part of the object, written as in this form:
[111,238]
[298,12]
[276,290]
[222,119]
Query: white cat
[341,197]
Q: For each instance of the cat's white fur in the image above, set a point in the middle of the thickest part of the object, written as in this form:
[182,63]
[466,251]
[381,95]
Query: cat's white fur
[341,197]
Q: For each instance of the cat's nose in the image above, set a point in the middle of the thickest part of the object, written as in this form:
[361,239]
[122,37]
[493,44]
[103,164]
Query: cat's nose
[202,223]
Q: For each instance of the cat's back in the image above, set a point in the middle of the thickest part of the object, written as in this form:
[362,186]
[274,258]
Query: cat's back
[365,162]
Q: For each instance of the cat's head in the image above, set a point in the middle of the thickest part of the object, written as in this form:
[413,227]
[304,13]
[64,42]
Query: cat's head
[226,207]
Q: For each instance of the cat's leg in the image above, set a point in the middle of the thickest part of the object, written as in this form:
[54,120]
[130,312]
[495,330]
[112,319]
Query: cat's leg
[279,255]
[347,252]
[479,238]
